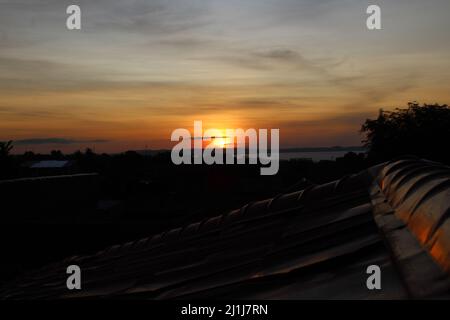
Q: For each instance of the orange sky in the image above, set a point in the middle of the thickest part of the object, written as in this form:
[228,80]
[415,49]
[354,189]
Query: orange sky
[138,70]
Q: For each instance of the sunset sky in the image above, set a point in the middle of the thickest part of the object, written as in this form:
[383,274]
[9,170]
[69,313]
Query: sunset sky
[140,69]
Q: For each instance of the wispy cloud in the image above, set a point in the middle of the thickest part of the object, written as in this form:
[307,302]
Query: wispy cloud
[139,67]
[62,141]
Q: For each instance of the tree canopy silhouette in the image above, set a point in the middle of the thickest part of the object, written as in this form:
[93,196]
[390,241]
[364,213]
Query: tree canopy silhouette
[5,148]
[420,130]
[5,158]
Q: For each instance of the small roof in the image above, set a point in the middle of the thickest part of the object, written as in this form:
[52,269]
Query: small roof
[50,164]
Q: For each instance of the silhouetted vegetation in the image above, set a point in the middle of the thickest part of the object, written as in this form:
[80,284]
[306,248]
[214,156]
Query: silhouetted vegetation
[5,159]
[420,130]
[5,148]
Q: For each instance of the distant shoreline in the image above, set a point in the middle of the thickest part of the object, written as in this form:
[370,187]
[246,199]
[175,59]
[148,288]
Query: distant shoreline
[284,150]
[324,149]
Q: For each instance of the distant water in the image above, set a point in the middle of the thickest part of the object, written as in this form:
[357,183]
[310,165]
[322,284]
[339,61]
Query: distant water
[314,156]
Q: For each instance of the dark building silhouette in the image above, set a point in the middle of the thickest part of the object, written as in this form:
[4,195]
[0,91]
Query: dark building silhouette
[49,167]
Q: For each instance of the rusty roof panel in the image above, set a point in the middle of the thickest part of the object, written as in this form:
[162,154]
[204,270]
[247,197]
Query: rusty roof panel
[412,210]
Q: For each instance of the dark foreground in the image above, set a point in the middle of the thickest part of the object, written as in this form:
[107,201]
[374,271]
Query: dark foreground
[315,243]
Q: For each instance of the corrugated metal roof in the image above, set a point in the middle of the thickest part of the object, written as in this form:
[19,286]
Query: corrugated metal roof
[310,244]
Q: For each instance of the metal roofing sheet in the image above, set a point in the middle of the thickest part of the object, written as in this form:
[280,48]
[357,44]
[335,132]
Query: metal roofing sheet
[314,243]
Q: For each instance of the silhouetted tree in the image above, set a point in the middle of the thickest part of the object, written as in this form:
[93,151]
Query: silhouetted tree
[6,163]
[5,148]
[29,155]
[89,153]
[56,154]
[420,130]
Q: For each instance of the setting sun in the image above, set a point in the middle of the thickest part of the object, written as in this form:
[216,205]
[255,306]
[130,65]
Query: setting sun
[221,142]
